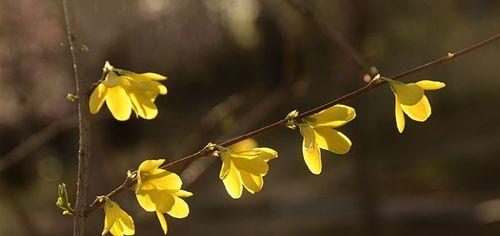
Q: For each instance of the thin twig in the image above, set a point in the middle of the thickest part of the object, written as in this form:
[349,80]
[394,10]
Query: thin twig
[289,87]
[282,123]
[333,36]
[83,120]
[266,106]
[35,141]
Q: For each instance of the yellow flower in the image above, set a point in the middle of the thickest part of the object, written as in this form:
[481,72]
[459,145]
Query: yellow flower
[244,167]
[159,191]
[411,100]
[319,133]
[116,221]
[244,145]
[124,91]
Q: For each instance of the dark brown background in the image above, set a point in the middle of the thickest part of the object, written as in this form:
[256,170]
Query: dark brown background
[225,59]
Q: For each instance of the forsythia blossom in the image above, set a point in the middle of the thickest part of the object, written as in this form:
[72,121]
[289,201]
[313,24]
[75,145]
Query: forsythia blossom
[116,221]
[319,132]
[159,191]
[411,100]
[244,168]
[124,91]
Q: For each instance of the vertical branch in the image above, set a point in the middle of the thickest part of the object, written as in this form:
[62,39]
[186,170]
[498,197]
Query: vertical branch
[83,120]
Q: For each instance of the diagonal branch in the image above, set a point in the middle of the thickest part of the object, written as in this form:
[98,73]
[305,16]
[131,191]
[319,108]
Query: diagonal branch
[35,141]
[282,123]
[333,36]
[83,120]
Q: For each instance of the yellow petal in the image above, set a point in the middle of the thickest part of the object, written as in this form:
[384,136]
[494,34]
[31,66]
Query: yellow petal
[400,118]
[145,201]
[266,153]
[112,80]
[160,179]
[161,88]
[253,183]
[408,94]
[180,209]
[126,223]
[430,85]
[116,230]
[226,163]
[308,133]
[143,106]
[244,145]
[163,222]
[312,157]
[163,200]
[150,165]
[153,76]
[420,111]
[97,98]
[109,220]
[333,117]
[332,140]
[232,182]
[117,221]
[249,154]
[155,200]
[119,103]
[183,193]
[256,166]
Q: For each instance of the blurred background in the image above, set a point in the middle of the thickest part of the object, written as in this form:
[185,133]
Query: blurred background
[234,66]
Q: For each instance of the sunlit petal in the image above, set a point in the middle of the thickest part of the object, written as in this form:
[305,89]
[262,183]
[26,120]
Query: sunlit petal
[266,153]
[153,76]
[420,111]
[312,158]
[143,106]
[253,183]
[332,140]
[233,183]
[255,166]
[430,85]
[97,98]
[150,165]
[160,179]
[180,208]
[163,222]
[308,134]
[333,117]
[400,118]
[244,145]
[226,164]
[119,103]
[183,193]
[408,94]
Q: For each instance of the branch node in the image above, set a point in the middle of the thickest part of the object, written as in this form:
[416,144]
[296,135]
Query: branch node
[290,119]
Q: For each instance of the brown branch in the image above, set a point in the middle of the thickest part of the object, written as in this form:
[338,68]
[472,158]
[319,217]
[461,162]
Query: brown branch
[266,106]
[282,123]
[83,120]
[36,140]
[288,88]
[333,36]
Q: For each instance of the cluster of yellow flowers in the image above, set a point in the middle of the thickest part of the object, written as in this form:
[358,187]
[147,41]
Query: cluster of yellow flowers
[244,164]
[157,190]
[125,91]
